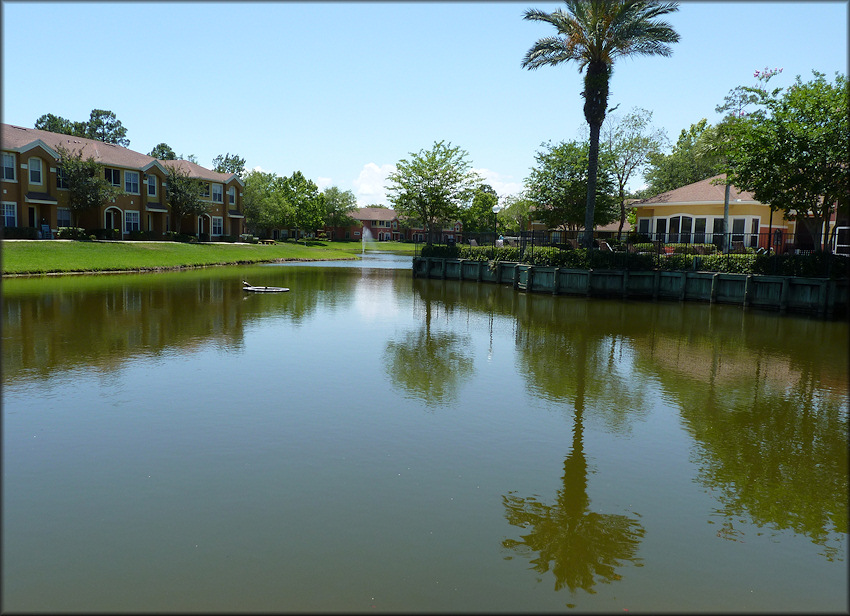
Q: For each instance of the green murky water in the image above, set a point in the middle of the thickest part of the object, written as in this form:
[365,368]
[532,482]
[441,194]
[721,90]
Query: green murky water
[371,442]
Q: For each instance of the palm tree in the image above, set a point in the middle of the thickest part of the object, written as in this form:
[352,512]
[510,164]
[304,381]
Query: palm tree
[594,33]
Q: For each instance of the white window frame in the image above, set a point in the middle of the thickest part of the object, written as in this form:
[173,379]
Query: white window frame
[151,183]
[130,186]
[205,191]
[113,173]
[10,159]
[34,165]
[10,210]
[217,226]
[231,195]
[217,193]
[59,219]
[132,218]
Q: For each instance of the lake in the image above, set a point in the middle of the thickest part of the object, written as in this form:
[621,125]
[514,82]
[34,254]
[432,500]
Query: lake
[374,442]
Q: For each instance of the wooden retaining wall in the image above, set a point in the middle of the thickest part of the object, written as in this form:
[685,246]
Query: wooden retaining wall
[819,296]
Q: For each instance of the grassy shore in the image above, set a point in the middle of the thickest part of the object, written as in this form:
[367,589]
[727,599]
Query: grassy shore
[43,257]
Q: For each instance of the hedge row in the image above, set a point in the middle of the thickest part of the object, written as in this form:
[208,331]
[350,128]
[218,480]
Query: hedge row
[815,265]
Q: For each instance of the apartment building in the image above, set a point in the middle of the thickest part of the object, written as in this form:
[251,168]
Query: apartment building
[34,193]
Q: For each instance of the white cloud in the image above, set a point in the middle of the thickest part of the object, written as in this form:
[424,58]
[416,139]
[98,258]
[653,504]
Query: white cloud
[502,185]
[369,185]
[323,183]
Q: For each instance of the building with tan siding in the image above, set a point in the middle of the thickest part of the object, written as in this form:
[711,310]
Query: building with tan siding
[33,194]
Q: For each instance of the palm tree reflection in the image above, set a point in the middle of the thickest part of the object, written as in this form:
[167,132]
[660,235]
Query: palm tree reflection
[580,547]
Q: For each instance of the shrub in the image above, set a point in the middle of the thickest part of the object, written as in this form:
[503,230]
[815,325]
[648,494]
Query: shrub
[106,234]
[174,236]
[71,233]
[143,235]
[20,233]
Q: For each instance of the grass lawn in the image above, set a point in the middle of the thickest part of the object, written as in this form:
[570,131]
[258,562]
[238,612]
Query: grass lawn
[41,257]
[357,247]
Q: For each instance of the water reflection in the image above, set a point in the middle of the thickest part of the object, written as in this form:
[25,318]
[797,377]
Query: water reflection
[765,398]
[771,435]
[581,547]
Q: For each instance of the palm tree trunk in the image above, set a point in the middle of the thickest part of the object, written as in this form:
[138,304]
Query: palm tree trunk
[595,104]
[592,167]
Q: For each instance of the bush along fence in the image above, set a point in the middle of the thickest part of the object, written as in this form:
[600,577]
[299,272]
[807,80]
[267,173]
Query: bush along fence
[811,284]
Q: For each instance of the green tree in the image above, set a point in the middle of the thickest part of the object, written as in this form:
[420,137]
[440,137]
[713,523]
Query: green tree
[628,142]
[58,124]
[793,152]
[305,202]
[87,187]
[104,126]
[163,151]
[229,164]
[184,195]
[432,186]
[515,212]
[264,202]
[478,217]
[594,33]
[692,159]
[338,204]
[558,187]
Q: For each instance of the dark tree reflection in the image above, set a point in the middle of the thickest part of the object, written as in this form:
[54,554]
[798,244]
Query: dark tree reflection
[579,546]
[427,365]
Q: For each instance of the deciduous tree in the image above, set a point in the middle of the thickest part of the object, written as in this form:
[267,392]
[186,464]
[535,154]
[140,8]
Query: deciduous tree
[305,202]
[793,151]
[264,202]
[338,205]
[432,186]
[628,142]
[84,179]
[184,195]
[558,187]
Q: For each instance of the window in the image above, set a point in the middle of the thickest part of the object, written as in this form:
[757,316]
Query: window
[35,170]
[113,176]
[10,214]
[643,226]
[217,225]
[151,186]
[61,178]
[8,167]
[131,221]
[699,230]
[63,217]
[217,193]
[131,182]
[231,195]
[205,191]
[660,229]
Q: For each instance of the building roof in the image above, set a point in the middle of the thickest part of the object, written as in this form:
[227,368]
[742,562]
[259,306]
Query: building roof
[20,139]
[704,191]
[373,213]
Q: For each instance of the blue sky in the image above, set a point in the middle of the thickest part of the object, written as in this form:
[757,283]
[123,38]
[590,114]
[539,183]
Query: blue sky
[341,91]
